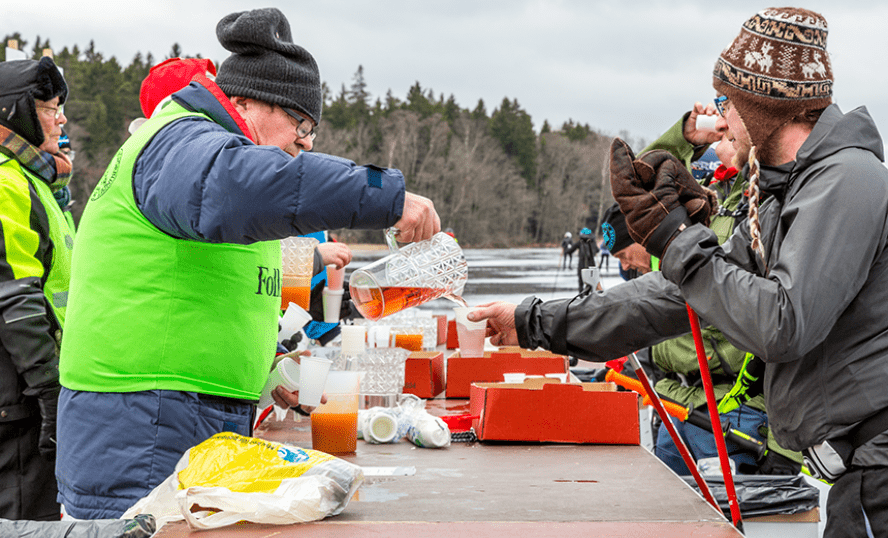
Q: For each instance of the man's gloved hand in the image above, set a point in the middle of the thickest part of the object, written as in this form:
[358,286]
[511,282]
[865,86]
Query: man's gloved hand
[658,196]
[49,404]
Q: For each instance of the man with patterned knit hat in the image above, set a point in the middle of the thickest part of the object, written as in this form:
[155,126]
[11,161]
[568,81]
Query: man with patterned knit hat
[803,284]
[176,279]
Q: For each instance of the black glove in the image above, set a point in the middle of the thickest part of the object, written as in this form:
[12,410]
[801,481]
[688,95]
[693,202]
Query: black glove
[49,405]
[658,196]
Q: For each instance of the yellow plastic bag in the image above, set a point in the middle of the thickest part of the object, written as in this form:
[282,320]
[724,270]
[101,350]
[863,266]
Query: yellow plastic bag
[230,478]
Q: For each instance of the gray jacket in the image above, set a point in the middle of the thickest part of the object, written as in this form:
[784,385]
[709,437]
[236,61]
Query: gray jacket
[818,315]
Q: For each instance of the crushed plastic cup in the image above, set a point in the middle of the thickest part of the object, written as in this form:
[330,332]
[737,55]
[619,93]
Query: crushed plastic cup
[335,277]
[313,372]
[286,373]
[514,377]
[334,424]
[470,334]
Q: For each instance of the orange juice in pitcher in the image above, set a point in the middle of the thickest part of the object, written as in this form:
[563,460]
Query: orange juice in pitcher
[297,257]
[410,276]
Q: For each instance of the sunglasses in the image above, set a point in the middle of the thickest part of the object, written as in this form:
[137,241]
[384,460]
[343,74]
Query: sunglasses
[720,104]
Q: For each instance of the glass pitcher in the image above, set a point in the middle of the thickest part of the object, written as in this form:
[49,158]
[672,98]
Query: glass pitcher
[297,256]
[410,276]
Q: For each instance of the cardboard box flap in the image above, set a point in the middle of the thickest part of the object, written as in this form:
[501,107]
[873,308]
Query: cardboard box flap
[546,410]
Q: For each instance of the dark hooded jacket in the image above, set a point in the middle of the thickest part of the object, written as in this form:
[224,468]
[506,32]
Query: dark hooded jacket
[816,309]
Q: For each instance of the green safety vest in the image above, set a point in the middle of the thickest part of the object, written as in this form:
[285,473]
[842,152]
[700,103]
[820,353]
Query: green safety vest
[21,244]
[149,311]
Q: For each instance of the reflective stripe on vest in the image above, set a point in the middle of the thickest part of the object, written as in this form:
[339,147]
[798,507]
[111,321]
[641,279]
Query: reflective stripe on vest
[21,249]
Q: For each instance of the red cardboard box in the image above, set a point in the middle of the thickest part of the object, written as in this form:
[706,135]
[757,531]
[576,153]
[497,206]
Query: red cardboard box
[452,340]
[424,374]
[463,371]
[442,329]
[547,410]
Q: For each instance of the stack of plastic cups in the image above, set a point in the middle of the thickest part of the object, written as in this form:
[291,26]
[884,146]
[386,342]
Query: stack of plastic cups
[333,294]
[353,346]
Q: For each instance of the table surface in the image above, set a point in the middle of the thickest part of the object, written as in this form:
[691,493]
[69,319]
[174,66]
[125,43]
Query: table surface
[500,489]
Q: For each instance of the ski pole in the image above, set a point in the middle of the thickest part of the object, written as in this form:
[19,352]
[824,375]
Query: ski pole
[714,419]
[670,427]
[695,417]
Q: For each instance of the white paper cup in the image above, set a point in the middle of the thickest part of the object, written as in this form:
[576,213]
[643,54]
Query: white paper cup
[286,373]
[470,334]
[513,378]
[332,305]
[294,319]
[312,380]
[706,123]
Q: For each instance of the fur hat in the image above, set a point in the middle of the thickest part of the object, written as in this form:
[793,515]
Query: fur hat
[776,69]
[265,64]
[613,229]
[22,81]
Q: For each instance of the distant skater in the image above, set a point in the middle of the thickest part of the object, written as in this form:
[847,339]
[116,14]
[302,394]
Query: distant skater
[604,262]
[566,250]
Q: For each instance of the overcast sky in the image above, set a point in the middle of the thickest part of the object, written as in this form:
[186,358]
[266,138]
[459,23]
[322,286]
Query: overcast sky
[615,65]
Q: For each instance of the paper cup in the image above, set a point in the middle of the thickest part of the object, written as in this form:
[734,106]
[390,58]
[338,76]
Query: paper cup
[312,380]
[286,373]
[332,304]
[470,334]
[706,123]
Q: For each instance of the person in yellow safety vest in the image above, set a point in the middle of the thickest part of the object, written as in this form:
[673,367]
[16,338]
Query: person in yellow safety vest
[34,273]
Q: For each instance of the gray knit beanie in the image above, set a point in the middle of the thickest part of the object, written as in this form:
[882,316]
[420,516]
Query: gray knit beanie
[265,64]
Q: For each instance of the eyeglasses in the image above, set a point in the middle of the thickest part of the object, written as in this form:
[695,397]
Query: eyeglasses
[304,128]
[59,110]
[720,104]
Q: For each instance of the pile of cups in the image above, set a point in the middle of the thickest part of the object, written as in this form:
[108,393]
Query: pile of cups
[334,424]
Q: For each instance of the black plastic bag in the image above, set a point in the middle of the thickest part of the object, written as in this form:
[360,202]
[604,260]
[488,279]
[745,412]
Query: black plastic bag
[764,495]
